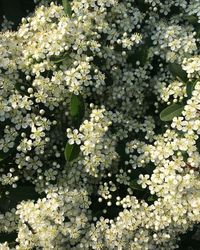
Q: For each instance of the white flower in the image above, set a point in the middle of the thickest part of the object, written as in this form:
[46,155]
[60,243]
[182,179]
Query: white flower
[74,136]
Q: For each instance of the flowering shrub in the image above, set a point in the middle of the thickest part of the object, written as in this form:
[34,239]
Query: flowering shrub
[100,124]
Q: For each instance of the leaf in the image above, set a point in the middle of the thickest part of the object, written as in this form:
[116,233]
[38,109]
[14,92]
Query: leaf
[135,185]
[191,19]
[77,109]
[61,58]
[67,7]
[198,32]
[71,152]
[77,105]
[151,198]
[171,111]
[143,55]
[177,71]
[190,87]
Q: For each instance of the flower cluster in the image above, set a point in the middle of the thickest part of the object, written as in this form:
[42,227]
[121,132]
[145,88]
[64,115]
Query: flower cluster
[175,91]
[85,161]
[192,65]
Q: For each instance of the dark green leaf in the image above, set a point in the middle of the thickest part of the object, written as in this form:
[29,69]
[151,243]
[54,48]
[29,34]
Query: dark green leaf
[67,7]
[71,152]
[61,58]
[77,109]
[144,52]
[171,111]
[77,105]
[190,87]
[191,19]
[151,198]
[135,185]
[178,72]
[198,32]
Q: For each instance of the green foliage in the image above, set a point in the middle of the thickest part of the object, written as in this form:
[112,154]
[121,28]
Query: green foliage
[190,87]
[67,7]
[171,111]
[77,109]
[134,185]
[191,19]
[178,72]
[60,58]
[71,152]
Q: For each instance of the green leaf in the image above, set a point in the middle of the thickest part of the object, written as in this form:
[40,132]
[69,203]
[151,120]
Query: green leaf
[151,198]
[67,7]
[178,72]
[71,152]
[77,109]
[171,111]
[192,19]
[60,58]
[198,32]
[77,105]
[190,87]
[144,52]
[135,185]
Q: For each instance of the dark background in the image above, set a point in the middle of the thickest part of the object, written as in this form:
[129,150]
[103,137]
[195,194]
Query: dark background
[14,10]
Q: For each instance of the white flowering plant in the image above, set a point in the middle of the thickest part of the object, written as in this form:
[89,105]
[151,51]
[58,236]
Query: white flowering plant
[100,125]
